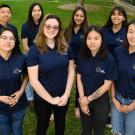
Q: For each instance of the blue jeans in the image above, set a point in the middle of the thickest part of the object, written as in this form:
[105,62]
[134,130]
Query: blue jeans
[123,122]
[12,123]
[29,92]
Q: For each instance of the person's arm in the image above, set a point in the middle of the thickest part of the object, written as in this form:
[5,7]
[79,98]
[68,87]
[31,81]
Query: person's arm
[38,87]
[100,91]
[25,45]
[82,98]
[16,96]
[114,100]
[70,80]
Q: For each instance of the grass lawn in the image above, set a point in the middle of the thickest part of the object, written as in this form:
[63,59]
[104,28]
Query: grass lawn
[98,13]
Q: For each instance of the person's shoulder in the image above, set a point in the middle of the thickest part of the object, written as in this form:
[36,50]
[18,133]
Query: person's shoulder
[120,49]
[34,49]
[12,26]
[25,25]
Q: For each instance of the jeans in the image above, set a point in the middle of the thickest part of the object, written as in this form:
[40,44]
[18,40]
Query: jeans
[123,123]
[99,110]
[12,123]
[29,92]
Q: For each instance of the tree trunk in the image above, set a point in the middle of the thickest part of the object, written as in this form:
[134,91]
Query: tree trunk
[80,3]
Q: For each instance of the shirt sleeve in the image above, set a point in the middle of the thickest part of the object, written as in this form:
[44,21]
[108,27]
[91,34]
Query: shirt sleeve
[70,53]
[78,65]
[111,70]
[33,56]
[24,31]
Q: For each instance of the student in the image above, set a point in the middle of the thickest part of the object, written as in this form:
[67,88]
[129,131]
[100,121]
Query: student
[13,80]
[28,33]
[51,73]
[95,72]
[74,35]
[123,96]
[5,16]
[114,34]
[114,30]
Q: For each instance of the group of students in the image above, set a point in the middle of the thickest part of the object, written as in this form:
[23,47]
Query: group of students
[101,59]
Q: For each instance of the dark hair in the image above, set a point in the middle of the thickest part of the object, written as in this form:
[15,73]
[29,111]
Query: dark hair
[109,22]
[30,20]
[16,49]
[85,51]
[84,25]
[4,5]
[40,40]
[126,40]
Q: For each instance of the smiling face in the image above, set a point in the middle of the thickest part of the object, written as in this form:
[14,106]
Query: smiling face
[5,14]
[79,17]
[131,35]
[7,41]
[117,17]
[94,41]
[51,28]
[36,13]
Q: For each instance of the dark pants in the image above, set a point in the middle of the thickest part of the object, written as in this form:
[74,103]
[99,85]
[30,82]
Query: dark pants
[99,110]
[43,112]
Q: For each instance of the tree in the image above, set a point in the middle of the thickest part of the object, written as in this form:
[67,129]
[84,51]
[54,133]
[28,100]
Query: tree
[80,3]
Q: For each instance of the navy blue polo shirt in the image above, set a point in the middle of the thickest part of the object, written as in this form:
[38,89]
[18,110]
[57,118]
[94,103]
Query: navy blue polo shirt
[11,80]
[113,40]
[53,69]
[26,32]
[126,72]
[76,42]
[14,29]
[94,70]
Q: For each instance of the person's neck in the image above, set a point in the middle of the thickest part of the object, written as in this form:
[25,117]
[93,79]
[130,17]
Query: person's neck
[94,53]
[50,43]
[36,22]
[116,28]
[3,23]
[131,49]
[76,28]
[5,55]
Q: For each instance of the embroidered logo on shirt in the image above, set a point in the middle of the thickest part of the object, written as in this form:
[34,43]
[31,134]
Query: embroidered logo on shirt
[119,40]
[133,67]
[98,69]
[16,71]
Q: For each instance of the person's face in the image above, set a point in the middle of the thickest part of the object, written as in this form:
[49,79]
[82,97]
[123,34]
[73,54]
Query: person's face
[131,35]
[79,17]
[5,14]
[117,17]
[51,28]
[36,12]
[94,41]
[7,41]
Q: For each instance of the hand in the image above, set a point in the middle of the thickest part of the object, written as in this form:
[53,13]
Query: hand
[63,100]
[127,108]
[16,96]
[83,100]
[85,109]
[117,104]
[7,100]
[55,100]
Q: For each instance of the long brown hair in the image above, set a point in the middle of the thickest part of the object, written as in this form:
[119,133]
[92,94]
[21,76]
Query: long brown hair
[40,40]
[84,25]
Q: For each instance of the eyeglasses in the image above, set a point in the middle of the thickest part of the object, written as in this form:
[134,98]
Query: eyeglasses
[5,38]
[55,28]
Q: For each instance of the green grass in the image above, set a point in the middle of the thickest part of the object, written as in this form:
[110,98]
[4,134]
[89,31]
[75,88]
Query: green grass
[96,16]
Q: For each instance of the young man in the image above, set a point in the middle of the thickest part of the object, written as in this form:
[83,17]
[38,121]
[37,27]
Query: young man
[5,16]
